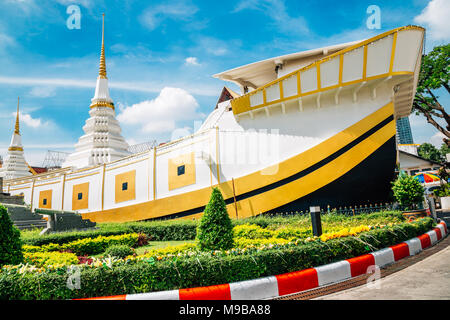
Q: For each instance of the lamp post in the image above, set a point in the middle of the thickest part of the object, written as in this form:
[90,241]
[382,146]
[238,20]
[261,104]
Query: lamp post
[315,221]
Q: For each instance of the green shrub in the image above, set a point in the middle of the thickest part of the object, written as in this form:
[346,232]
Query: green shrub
[292,233]
[119,251]
[167,230]
[44,259]
[243,242]
[88,246]
[408,191]
[10,243]
[251,231]
[215,231]
[442,191]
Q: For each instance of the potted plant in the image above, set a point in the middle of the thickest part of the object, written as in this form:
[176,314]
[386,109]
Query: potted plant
[409,193]
[443,192]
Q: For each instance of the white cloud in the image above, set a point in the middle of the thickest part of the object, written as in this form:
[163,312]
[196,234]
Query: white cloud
[193,61]
[29,121]
[215,46]
[43,92]
[84,3]
[152,87]
[162,114]
[276,10]
[154,16]
[437,139]
[436,17]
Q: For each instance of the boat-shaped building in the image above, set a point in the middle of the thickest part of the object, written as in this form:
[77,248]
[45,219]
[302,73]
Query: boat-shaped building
[313,128]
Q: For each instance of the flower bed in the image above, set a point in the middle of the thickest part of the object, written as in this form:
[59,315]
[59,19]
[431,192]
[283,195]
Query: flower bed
[190,268]
[45,259]
[173,230]
[87,246]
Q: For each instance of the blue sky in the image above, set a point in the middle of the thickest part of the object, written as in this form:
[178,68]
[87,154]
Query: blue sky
[161,56]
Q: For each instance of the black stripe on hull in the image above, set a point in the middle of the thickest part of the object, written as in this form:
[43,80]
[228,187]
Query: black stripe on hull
[367,183]
[298,175]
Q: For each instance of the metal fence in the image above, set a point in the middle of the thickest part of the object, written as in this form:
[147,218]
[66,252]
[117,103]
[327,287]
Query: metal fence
[346,210]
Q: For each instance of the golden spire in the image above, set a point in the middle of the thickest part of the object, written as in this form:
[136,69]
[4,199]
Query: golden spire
[102,71]
[16,129]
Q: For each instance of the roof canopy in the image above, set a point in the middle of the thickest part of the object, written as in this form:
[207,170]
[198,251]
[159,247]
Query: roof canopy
[257,74]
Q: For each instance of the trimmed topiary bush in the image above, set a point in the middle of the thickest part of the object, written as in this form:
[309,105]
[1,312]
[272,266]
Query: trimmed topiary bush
[215,230]
[119,251]
[408,191]
[10,243]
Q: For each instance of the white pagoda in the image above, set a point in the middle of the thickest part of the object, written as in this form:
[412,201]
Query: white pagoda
[102,141]
[15,165]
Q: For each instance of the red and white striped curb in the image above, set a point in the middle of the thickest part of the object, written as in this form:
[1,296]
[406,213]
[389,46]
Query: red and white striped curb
[293,282]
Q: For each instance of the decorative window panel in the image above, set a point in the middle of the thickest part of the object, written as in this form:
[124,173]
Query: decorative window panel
[290,86]
[309,80]
[45,199]
[273,92]
[181,171]
[80,196]
[127,179]
[353,65]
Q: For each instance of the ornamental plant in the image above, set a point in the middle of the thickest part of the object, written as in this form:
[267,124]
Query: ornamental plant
[10,243]
[443,191]
[408,191]
[119,251]
[215,230]
[44,259]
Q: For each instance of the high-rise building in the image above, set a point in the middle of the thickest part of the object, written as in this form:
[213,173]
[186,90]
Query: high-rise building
[404,134]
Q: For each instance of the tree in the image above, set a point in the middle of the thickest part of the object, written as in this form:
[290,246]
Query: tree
[10,243]
[444,150]
[434,74]
[430,152]
[408,191]
[215,231]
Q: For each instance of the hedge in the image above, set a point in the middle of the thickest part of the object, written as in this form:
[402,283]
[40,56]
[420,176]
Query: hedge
[43,259]
[88,246]
[186,272]
[156,230]
[180,230]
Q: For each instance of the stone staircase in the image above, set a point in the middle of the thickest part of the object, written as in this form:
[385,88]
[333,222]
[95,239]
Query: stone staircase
[30,224]
[23,218]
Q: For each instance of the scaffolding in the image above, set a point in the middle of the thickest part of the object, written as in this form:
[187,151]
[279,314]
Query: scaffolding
[142,147]
[54,159]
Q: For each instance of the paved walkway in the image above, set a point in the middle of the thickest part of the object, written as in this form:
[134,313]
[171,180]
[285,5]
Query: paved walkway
[428,279]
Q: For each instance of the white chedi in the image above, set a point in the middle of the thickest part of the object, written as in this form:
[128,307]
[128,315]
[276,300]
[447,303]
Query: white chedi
[102,141]
[15,165]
